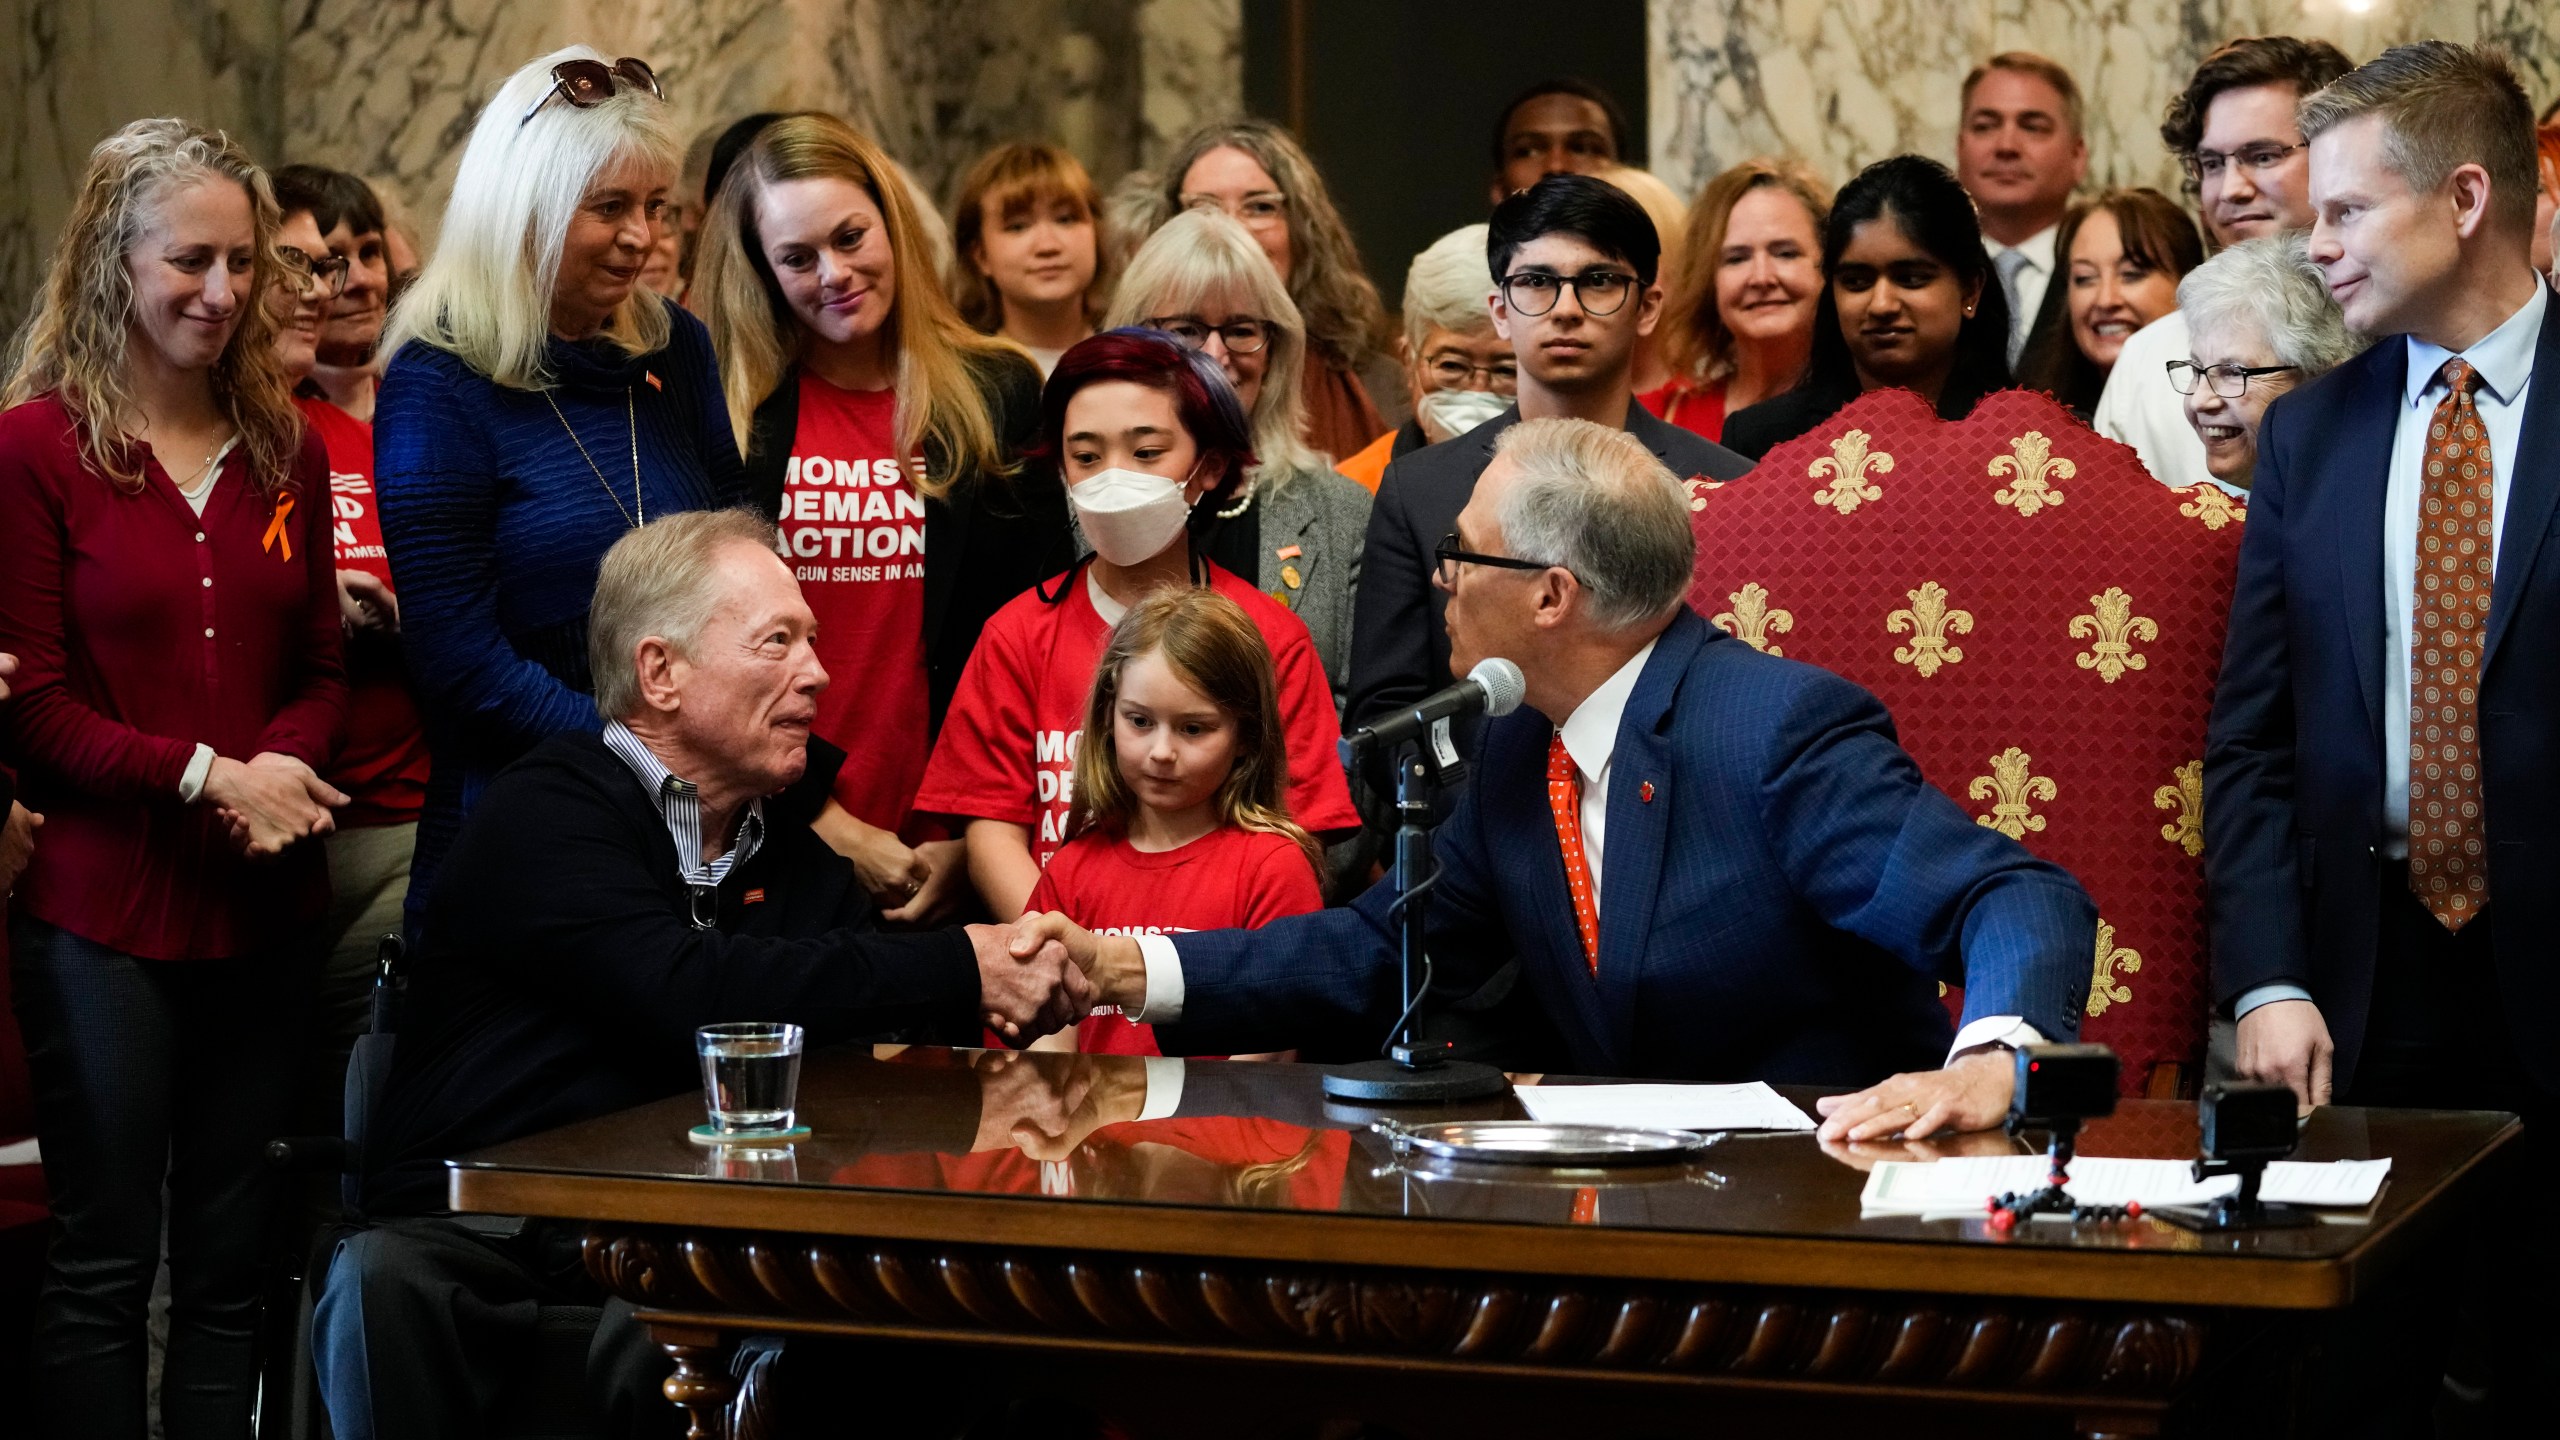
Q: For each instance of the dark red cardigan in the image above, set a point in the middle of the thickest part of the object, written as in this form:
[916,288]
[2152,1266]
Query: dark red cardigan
[141,630]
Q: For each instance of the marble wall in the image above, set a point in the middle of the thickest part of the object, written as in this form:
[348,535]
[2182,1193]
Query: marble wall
[389,88]
[1841,83]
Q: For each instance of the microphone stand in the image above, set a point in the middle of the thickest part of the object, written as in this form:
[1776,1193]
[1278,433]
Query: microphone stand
[1413,1071]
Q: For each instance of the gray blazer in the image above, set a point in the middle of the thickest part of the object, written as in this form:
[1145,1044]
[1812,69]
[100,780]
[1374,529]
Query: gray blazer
[1324,515]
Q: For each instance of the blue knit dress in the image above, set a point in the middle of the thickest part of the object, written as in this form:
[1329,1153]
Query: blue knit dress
[496,524]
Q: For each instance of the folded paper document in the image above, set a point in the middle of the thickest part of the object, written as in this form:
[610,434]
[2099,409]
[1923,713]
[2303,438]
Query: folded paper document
[1664,1107]
[1898,1187]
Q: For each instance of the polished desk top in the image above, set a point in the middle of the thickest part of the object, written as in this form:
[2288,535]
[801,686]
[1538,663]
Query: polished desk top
[1046,1150]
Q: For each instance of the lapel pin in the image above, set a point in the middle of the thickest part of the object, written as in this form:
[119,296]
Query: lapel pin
[1644,793]
[1290,577]
[1291,552]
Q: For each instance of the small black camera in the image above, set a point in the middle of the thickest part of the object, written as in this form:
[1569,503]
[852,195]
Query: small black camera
[2060,1085]
[2245,1123]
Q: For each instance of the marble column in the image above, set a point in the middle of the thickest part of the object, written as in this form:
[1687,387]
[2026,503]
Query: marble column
[1842,83]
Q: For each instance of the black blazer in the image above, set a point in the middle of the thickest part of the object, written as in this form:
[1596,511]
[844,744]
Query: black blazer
[1399,646]
[565,978]
[2293,768]
[995,537]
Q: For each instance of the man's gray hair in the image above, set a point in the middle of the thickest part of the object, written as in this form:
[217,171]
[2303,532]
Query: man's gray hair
[1594,501]
[2442,105]
[2269,286]
[1447,288]
[660,580]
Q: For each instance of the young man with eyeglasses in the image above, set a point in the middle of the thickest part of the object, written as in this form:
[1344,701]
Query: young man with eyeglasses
[2233,130]
[1573,262]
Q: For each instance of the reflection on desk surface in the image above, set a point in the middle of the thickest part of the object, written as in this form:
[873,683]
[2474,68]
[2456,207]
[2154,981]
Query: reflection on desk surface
[1245,1136]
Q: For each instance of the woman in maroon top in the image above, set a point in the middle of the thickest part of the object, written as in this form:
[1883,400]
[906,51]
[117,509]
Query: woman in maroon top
[170,600]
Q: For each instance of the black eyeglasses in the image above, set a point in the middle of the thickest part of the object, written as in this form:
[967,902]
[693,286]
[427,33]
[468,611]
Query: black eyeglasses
[588,83]
[1446,557]
[1241,337]
[2257,159]
[308,273]
[2228,381]
[1535,292]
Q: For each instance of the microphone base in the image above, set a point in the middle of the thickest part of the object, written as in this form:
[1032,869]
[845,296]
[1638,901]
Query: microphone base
[1384,1082]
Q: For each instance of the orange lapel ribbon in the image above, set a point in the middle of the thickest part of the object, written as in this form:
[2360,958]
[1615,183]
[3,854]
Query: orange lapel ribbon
[276,534]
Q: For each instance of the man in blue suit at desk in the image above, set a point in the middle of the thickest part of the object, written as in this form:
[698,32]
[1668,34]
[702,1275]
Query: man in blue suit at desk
[1713,864]
[2382,788]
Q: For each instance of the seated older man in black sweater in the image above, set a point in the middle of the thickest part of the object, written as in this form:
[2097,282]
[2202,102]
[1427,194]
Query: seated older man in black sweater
[608,895]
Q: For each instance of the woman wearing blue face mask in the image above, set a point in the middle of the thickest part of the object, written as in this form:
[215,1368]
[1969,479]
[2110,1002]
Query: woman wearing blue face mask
[1153,445]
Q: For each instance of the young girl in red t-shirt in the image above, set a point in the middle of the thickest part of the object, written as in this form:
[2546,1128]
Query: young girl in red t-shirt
[1181,818]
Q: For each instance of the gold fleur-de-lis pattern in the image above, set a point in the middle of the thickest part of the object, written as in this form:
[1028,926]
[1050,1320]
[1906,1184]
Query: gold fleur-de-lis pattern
[2033,467]
[1752,621]
[2113,960]
[1849,464]
[2014,792]
[2184,794]
[1929,622]
[2212,505]
[1698,486]
[2118,630]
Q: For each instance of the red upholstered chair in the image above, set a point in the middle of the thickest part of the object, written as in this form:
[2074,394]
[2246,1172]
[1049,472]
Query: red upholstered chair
[2045,621]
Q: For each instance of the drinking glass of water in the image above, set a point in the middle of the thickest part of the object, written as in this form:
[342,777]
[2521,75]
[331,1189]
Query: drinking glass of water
[750,1078]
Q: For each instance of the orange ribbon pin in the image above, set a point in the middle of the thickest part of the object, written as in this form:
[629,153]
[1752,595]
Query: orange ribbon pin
[276,534]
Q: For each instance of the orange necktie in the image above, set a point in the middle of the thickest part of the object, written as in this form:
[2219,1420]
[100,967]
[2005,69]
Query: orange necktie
[2448,854]
[1564,797]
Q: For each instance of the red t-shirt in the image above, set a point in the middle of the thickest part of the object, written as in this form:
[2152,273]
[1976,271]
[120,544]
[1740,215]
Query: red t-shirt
[1699,411]
[382,762]
[853,532]
[1231,878]
[1007,748]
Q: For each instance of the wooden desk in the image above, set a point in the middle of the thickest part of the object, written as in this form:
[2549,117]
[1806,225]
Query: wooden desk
[1256,1227]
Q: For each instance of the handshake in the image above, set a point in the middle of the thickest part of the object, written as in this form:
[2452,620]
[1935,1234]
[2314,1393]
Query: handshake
[1044,973]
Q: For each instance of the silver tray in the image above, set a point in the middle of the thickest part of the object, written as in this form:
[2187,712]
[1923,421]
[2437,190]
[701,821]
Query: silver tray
[1539,1142]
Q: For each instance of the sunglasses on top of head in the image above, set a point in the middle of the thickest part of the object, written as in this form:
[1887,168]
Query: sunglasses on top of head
[587,83]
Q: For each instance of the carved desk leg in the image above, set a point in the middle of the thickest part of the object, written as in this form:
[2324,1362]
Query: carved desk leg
[701,1384]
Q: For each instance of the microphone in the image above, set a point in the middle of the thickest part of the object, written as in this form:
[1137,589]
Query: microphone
[1495,687]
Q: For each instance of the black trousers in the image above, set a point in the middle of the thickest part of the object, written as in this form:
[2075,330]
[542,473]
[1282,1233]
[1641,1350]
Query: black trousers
[427,1323]
[151,1073]
[2482,1305]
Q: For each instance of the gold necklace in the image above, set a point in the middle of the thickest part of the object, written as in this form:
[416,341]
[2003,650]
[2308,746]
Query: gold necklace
[631,414]
[204,472]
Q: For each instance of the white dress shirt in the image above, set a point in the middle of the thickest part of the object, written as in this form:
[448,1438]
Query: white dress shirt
[2504,358]
[2033,277]
[2142,409]
[1591,739]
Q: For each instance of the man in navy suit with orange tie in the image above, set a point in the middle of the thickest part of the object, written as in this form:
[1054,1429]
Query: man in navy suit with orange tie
[1713,864]
[2382,777]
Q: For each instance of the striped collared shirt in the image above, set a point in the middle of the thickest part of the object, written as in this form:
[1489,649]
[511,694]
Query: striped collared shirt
[680,805]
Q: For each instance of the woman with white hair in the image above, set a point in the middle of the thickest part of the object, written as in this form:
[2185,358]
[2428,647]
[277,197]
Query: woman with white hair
[168,591]
[2260,321]
[1459,370]
[539,403]
[883,433]
[1297,524]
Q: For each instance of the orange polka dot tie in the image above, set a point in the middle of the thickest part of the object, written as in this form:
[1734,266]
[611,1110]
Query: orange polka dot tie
[1564,797]
[2448,847]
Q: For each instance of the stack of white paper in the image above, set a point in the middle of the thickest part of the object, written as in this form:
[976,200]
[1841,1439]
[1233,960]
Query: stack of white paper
[1966,1183]
[1664,1107]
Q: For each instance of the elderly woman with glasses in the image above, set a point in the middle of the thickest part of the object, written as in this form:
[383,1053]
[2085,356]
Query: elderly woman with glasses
[2260,322]
[1460,370]
[1296,525]
[538,404]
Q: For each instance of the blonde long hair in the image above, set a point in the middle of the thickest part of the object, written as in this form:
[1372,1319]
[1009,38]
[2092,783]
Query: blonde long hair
[1696,343]
[485,297]
[941,411]
[79,342]
[1199,256]
[1211,645]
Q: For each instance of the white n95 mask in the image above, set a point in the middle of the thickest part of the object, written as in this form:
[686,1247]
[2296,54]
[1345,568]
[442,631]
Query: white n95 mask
[1455,412]
[1129,515]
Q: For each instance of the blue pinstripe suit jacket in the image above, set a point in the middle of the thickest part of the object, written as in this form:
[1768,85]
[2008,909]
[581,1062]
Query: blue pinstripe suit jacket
[1778,910]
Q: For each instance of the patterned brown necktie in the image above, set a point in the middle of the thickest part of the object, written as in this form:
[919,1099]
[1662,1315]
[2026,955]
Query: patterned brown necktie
[2448,851]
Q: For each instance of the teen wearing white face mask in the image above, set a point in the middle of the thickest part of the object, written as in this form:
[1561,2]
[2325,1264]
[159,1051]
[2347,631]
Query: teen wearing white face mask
[1151,442]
